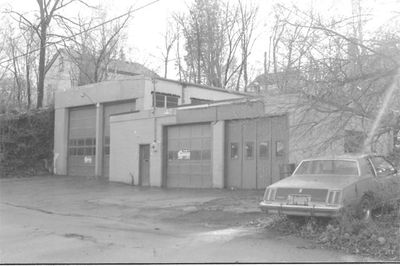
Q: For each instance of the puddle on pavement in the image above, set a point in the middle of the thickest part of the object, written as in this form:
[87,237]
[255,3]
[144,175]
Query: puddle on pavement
[223,235]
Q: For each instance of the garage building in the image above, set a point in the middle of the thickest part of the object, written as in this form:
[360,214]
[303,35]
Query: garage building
[82,117]
[227,144]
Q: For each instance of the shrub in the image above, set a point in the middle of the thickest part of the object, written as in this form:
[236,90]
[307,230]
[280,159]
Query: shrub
[26,143]
[379,237]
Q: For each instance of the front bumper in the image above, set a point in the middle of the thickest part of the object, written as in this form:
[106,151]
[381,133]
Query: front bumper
[300,210]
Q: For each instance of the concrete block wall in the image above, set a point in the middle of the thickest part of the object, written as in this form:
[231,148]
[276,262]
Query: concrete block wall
[107,91]
[61,118]
[128,131]
[218,154]
[93,94]
[185,92]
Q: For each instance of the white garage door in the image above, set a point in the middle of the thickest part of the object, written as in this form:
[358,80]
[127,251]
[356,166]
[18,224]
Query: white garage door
[189,156]
[82,141]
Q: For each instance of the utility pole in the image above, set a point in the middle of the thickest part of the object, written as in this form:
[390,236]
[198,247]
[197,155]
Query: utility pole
[357,23]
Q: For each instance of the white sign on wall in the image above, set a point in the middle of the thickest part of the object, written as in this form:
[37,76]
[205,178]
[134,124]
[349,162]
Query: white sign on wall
[184,155]
[87,159]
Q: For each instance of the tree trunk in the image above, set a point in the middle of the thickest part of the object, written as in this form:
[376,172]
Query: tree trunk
[42,55]
[28,83]
[42,58]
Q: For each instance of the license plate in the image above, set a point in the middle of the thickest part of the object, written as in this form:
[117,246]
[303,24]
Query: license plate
[299,199]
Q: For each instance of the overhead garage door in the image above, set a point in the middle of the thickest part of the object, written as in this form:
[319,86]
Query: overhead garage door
[189,156]
[110,109]
[256,151]
[82,141]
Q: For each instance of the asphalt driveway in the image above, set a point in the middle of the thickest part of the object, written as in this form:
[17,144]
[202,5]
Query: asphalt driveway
[81,220]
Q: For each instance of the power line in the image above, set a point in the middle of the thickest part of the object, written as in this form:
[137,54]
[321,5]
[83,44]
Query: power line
[86,30]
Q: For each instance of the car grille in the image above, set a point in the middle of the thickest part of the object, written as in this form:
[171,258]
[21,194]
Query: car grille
[317,195]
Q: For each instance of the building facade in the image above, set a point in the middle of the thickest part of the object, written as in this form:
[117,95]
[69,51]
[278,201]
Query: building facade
[225,144]
[82,132]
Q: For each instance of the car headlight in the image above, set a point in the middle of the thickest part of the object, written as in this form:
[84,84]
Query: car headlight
[334,197]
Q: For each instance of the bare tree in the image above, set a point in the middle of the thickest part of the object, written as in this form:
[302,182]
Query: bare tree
[48,12]
[17,41]
[218,40]
[93,50]
[170,38]
[247,21]
[319,60]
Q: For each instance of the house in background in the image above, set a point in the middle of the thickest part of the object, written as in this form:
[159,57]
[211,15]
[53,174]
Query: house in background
[69,69]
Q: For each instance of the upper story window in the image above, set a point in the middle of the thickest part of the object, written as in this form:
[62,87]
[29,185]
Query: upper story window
[164,100]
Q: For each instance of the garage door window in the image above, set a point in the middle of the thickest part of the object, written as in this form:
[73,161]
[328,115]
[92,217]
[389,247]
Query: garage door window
[249,150]
[234,150]
[206,155]
[195,155]
[280,148]
[107,145]
[82,146]
[172,155]
[263,150]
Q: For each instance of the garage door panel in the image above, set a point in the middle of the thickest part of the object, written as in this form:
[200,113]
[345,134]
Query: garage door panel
[184,144]
[192,143]
[82,141]
[250,157]
[196,144]
[234,153]
[206,131]
[185,132]
[82,132]
[196,131]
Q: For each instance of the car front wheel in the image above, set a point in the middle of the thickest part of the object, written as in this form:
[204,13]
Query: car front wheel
[364,210]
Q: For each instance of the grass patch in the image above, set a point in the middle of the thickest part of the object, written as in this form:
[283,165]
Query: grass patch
[378,238]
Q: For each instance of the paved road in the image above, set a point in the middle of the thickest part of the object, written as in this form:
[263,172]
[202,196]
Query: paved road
[80,220]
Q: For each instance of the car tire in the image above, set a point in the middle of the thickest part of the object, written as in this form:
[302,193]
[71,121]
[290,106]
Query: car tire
[364,208]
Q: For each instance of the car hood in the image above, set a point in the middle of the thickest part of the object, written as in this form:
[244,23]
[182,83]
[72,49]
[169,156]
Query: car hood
[316,181]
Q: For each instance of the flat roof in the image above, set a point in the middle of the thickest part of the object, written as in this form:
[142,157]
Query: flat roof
[249,98]
[184,83]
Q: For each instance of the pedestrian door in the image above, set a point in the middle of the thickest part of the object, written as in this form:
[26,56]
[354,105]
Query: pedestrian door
[144,167]
[251,160]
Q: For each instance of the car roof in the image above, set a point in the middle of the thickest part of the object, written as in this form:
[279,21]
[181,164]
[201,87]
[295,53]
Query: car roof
[348,156]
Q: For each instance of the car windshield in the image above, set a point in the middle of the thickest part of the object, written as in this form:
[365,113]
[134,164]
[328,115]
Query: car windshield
[327,167]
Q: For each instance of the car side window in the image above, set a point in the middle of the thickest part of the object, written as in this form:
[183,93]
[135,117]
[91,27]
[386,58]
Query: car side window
[382,167]
[369,169]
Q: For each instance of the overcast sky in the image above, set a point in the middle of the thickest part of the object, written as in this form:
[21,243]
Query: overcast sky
[148,25]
